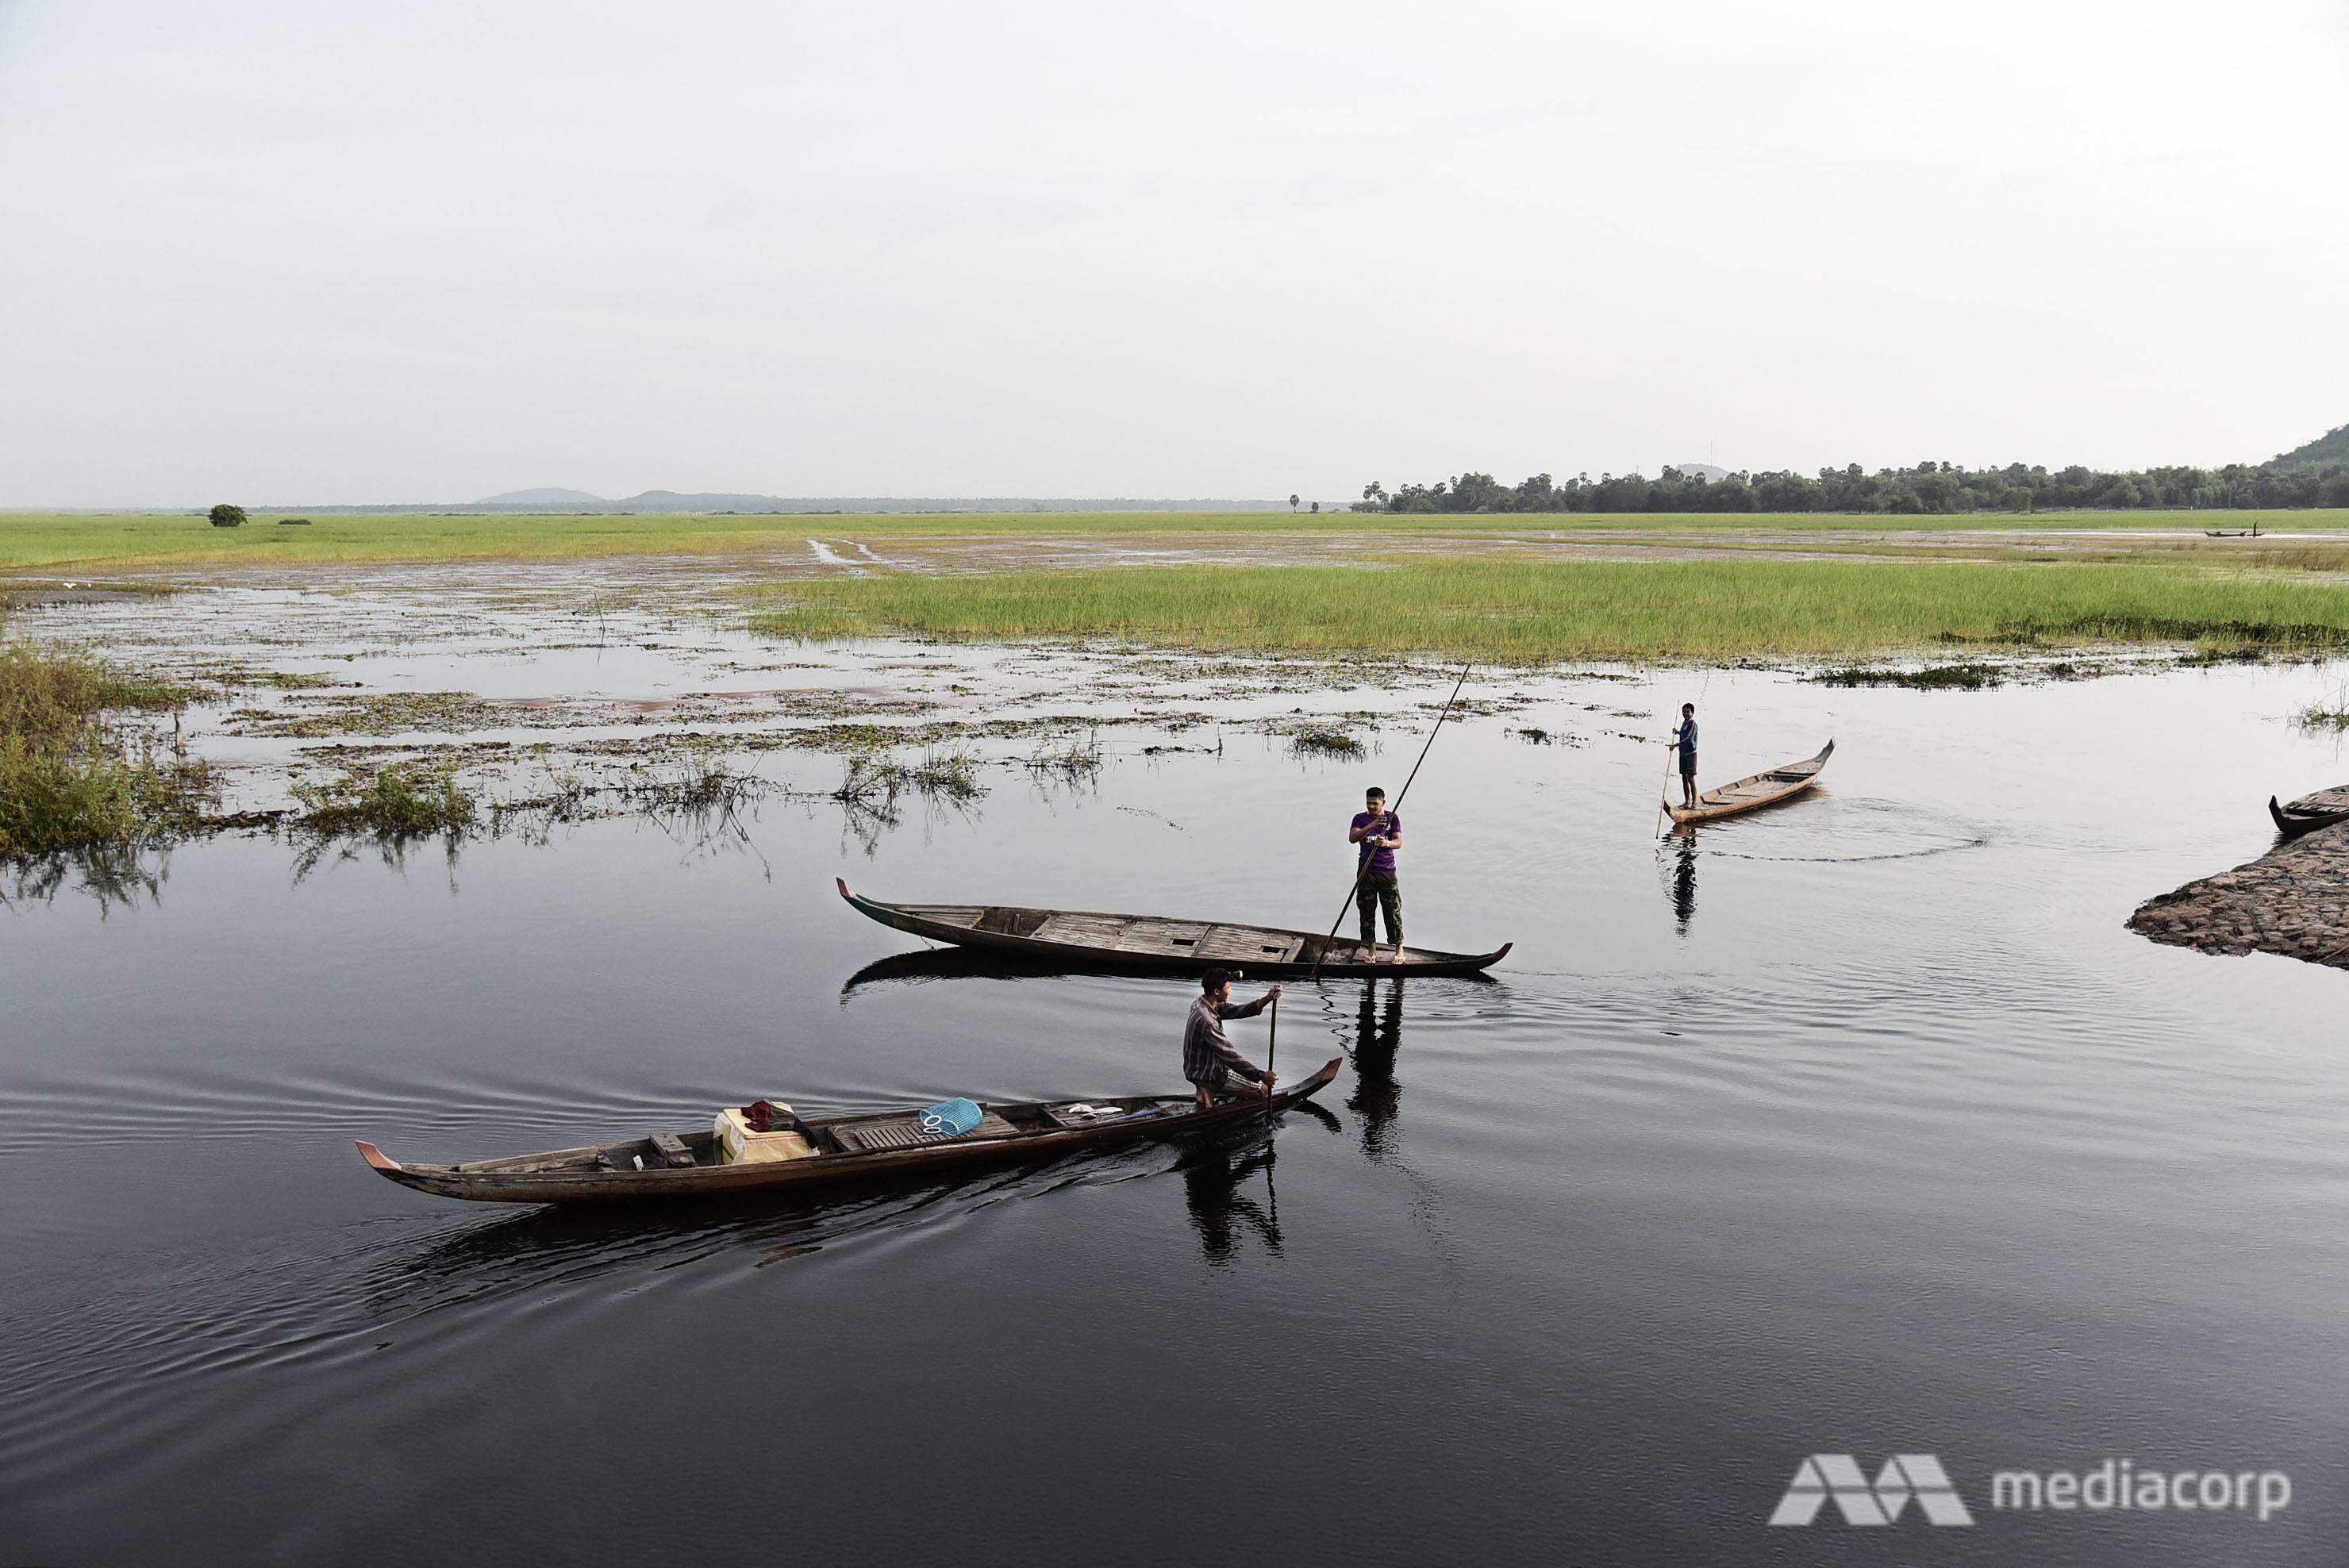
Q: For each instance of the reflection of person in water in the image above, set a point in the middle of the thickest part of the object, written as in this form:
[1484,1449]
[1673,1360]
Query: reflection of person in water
[1378,1037]
[1213,1173]
[1683,893]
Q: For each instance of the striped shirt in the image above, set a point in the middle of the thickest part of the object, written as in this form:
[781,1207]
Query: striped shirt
[1207,1052]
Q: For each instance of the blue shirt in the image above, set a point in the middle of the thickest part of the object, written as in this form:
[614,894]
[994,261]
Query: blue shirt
[1688,737]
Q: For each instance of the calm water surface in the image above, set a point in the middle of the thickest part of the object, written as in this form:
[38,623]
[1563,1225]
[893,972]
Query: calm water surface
[1862,1127]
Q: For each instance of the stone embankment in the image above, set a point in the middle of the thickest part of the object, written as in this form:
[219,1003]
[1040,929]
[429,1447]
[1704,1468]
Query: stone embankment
[2293,900]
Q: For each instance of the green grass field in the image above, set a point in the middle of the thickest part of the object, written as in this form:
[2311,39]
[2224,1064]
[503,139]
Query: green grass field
[1517,611]
[31,542]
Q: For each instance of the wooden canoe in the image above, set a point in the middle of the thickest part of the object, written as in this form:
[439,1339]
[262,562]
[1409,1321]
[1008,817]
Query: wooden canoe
[2310,813]
[849,1149]
[1143,944]
[1753,794]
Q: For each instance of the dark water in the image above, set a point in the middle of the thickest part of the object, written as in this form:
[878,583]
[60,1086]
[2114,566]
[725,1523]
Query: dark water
[1861,1128]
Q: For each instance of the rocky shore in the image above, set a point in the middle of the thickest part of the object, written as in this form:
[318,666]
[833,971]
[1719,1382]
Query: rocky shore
[2294,901]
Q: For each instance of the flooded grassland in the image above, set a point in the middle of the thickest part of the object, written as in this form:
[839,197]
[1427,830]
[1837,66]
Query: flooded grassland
[1862,1125]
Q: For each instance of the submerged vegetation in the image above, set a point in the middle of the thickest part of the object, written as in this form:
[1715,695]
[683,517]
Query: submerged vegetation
[1938,677]
[77,774]
[1072,761]
[1526,611]
[1323,740]
[397,802]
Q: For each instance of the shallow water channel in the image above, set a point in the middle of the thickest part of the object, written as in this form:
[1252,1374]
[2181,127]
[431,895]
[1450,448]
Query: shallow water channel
[1859,1127]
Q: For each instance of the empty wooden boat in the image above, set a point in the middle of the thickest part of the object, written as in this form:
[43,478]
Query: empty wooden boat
[1754,793]
[841,1149]
[2310,813]
[1088,939]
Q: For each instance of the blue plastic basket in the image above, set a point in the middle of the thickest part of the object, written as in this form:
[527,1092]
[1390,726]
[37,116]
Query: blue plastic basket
[949,1119]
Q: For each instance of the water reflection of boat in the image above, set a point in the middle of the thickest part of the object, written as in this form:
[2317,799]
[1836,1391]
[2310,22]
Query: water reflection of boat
[948,963]
[1093,940]
[1755,791]
[2310,813]
[844,1149]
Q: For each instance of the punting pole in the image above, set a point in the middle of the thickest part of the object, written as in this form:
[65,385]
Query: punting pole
[1271,1052]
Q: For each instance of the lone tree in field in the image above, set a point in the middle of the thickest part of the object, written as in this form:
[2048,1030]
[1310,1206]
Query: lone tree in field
[1292,503]
[227,516]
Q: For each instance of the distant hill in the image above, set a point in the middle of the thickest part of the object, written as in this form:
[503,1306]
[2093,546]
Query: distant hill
[549,497]
[1708,472]
[2326,450]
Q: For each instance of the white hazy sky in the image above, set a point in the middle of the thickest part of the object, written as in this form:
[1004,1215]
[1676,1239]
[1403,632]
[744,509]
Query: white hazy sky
[304,252]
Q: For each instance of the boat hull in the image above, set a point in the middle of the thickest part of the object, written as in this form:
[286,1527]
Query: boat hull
[1754,792]
[569,1176]
[2300,818]
[1098,941]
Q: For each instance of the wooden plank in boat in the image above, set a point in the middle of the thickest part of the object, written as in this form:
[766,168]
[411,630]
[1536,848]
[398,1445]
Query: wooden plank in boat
[1160,936]
[1242,945]
[1082,930]
[945,913]
[905,1132]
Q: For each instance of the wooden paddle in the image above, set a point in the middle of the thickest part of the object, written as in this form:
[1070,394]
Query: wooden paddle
[1364,868]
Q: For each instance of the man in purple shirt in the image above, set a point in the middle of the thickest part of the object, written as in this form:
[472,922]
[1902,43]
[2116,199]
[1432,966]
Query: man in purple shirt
[1378,833]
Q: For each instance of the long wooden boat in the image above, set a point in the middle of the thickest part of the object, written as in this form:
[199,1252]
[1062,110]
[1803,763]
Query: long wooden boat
[2310,813]
[847,1150]
[1752,793]
[1144,943]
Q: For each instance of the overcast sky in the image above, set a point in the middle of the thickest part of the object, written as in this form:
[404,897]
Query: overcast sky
[416,253]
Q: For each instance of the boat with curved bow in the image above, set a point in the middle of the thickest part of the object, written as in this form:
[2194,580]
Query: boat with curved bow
[1090,939]
[838,1151]
[1755,791]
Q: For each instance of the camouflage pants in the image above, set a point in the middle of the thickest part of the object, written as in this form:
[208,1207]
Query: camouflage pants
[1380,890]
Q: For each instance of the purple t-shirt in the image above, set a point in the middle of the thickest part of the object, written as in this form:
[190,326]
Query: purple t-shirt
[1379,859]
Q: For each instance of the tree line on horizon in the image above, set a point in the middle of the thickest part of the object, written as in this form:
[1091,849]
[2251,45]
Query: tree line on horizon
[1927,488]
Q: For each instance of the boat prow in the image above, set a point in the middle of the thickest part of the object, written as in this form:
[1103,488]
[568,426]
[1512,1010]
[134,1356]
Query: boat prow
[2310,813]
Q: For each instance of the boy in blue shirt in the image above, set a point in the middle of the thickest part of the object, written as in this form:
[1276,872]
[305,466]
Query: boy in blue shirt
[1685,738]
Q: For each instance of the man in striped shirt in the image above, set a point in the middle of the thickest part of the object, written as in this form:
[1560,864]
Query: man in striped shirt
[1208,1059]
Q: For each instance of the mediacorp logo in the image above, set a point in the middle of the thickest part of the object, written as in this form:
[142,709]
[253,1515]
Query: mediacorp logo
[1904,1476]
[2116,1485]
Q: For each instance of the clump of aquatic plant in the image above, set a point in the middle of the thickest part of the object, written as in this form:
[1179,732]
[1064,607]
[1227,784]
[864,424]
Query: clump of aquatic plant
[396,801]
[1938,677]
[2329,713]
[1072,761]
[74,776]
[872,783]
[1323,740]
